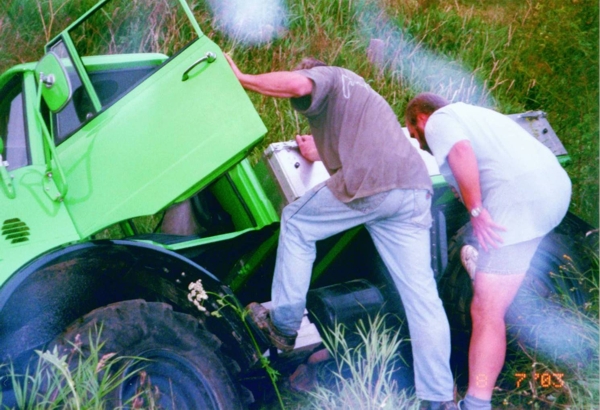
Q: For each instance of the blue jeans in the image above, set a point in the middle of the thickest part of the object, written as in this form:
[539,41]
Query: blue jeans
[399,222]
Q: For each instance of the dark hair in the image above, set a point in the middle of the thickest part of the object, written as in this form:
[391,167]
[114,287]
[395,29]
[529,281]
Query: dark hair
[308,63]
[424,103]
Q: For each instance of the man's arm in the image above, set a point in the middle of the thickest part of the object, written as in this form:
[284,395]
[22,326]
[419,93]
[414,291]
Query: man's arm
[284,84]
[463,163]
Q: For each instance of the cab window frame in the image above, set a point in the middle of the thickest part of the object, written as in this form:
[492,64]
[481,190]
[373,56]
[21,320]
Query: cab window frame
[15,138]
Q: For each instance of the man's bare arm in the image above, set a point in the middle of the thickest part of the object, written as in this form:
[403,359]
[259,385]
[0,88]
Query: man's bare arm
[283,84]
[463,163]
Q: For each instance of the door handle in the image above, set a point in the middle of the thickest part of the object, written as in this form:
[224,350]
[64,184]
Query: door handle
[208,57]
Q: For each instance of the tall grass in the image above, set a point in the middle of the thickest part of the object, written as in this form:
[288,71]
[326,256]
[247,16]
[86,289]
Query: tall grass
[67,380]
[363,377]
[508,54]
[532,55]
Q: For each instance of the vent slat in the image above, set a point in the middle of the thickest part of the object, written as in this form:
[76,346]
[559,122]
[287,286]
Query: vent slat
[15,231]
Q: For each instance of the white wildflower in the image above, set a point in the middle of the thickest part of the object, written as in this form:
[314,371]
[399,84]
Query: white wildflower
[197,294]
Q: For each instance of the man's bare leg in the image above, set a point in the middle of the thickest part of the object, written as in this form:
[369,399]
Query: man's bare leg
[493,294]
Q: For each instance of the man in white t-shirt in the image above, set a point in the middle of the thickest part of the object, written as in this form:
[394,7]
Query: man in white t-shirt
[515,191]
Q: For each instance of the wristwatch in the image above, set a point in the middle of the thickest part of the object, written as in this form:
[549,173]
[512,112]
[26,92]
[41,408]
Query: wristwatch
[475,212]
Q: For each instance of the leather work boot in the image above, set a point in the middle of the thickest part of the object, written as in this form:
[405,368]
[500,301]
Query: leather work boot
[438,405]
[260,316]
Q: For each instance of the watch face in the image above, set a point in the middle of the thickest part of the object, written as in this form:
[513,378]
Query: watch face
[475,212]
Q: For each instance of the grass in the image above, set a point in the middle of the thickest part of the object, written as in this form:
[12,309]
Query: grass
[564,374]
[530,380]
[511,55]
[360,373]
[364,374]
[67,380]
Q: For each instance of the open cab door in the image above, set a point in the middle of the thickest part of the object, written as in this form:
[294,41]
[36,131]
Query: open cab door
[156,112]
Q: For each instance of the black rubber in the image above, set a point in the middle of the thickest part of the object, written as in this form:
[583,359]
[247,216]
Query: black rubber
[184,361]
[544,315]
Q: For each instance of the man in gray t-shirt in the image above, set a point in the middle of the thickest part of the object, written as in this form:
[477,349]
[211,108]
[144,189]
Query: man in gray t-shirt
[515,191]
[352,126]
[377,179]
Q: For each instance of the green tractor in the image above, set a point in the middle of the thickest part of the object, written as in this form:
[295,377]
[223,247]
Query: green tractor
[119,126]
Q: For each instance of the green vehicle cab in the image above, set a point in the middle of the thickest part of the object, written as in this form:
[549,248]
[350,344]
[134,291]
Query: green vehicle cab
[126,122]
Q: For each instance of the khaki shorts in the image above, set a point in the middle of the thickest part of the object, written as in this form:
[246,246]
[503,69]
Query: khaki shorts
[508,260]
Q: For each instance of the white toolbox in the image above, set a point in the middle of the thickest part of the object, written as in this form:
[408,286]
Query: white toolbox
[286,175]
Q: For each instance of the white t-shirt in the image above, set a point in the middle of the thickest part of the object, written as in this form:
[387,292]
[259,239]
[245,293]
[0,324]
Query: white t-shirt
[523,186]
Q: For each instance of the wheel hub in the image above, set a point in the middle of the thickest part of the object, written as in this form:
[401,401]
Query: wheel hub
[165,380]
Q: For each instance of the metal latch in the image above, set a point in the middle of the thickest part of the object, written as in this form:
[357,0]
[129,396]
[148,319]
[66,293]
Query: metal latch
[7,179]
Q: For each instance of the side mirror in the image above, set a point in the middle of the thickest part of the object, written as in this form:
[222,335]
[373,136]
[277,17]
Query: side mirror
[54,81]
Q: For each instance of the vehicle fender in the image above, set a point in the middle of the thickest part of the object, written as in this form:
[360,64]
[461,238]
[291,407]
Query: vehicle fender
[41,299]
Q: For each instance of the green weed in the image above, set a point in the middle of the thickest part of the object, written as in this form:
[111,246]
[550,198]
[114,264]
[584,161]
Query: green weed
[67,380]
[363,378]
[197,296]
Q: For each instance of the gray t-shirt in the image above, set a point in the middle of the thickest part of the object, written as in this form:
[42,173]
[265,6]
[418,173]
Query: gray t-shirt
[523,186]
[358,136]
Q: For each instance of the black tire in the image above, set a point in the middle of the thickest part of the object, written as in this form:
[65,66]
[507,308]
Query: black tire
[184,362]
[544,317]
